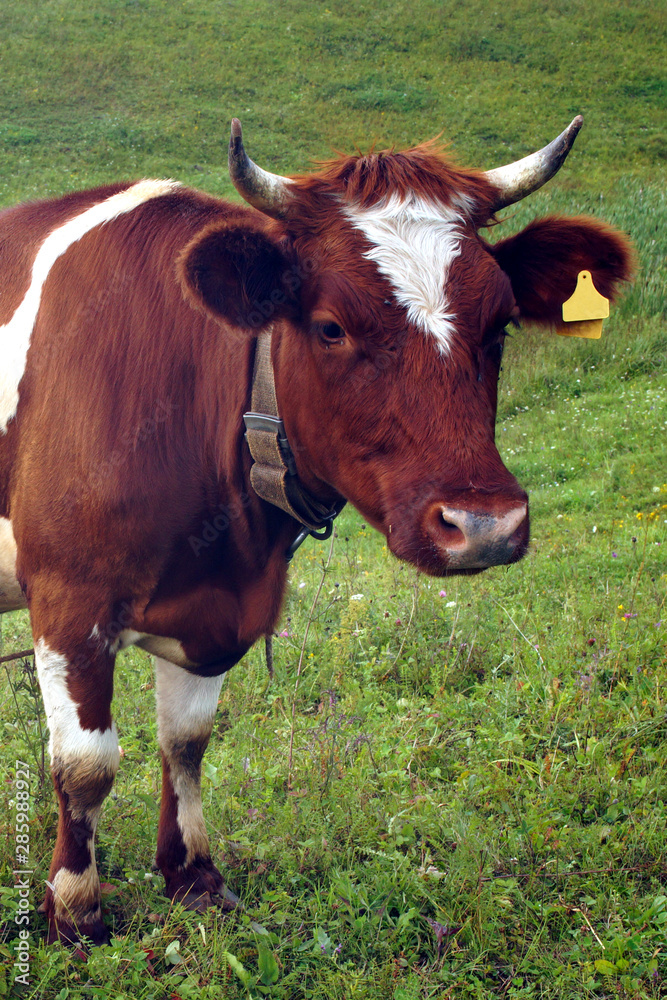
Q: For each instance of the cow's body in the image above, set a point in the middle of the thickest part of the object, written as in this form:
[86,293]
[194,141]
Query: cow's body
[147,451]
[128,317]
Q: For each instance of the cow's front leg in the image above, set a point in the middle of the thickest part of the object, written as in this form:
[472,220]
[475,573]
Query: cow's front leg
[186,706]
[77,688]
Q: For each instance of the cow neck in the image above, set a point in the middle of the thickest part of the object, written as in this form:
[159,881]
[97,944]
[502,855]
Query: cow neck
[273,475]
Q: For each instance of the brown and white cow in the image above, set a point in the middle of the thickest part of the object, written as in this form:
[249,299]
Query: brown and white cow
[128,319]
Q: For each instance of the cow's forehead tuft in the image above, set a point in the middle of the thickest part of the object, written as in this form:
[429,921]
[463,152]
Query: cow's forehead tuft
[414,241]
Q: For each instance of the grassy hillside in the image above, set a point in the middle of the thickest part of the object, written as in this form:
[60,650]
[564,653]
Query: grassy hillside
[475,802]
[92,90]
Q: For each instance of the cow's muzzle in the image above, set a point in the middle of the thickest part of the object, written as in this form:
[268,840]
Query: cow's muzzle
[474,540]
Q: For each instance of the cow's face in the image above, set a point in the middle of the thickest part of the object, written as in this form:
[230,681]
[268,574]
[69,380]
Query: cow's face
[390,313]
[390,381]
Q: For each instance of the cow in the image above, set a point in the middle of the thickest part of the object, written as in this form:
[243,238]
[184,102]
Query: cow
[190,386]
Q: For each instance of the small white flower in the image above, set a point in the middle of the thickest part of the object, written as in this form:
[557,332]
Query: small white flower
[595,528]
[430,872]
[357,597]
[450,604]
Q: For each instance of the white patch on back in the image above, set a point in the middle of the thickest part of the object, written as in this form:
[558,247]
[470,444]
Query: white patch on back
[414,242]
[15,335]
[68,741]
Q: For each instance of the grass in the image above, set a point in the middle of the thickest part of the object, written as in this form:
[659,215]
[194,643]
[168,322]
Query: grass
[112,88]
[475,804]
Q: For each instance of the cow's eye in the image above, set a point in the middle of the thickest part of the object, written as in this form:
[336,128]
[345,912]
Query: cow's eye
[495,352]
[492,353]
[330,333]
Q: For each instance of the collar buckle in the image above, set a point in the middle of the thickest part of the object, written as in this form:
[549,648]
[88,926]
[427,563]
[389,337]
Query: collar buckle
[263,423]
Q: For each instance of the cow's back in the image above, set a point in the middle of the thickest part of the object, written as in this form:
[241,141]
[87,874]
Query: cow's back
[23,229]
[112,409]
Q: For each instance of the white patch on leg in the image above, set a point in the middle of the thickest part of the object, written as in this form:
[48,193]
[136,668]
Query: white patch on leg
[186,707]
[415,240]
[74,893]
[190,816]
[15,335]
[128,637]
[186,704]
[11,595]
[69,743]
[160,646]
[83,760]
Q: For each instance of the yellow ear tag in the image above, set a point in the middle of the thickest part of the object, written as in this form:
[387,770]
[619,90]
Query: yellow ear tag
[584,310]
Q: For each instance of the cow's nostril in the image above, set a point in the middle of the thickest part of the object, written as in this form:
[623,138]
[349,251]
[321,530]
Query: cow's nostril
[518,536]
[450,533]
[475,539]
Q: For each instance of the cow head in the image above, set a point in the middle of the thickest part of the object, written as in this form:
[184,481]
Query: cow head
[390,311]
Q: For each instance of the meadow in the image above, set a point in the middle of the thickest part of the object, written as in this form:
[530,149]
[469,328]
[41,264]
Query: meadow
[450,788]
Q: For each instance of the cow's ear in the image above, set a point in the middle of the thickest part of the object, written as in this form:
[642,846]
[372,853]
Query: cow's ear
[544,259]
[239,274]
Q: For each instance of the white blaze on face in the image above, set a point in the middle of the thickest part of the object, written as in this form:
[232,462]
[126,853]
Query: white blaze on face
[414,243]
[15,335]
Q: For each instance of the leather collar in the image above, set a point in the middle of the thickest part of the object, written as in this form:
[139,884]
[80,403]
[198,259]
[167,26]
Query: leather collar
[273,475]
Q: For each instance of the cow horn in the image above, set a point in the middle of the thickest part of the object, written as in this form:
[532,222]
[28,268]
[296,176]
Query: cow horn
[516,180]
[265,191]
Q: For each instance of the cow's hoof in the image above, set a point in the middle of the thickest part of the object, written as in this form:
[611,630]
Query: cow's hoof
[194,899]
[226,900]
[199,887]
[94,933]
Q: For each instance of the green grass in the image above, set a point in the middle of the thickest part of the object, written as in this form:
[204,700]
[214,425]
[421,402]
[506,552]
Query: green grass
[110,88]
[477,799]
